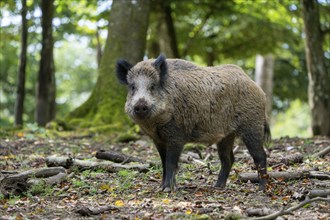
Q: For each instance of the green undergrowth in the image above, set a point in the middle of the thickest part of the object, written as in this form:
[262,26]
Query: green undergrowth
[55,129]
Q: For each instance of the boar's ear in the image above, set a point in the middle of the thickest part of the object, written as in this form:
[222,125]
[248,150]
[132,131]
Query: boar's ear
[161,66]
[122,69]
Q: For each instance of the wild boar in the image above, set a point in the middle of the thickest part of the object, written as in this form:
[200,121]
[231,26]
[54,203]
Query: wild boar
[175,101]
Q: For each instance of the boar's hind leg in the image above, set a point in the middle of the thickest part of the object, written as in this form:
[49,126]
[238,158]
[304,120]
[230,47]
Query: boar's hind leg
[226,155]
[254,143]
[162,153]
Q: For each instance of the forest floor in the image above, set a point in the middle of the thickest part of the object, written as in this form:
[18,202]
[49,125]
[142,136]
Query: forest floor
[129,194]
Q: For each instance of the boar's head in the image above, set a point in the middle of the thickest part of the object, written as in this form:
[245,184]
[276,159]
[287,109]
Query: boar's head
[146,83]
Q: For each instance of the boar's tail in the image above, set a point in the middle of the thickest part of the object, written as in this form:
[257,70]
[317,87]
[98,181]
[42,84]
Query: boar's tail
[267,134]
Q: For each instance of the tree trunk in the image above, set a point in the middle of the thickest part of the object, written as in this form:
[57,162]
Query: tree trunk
[166,7]
[20,93]
[46,79]
[98,48]
[52,93]
[318,77]
[264,78]
[128,24]
[165,40]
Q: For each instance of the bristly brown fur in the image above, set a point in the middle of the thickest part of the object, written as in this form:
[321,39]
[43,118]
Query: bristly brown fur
[184,103]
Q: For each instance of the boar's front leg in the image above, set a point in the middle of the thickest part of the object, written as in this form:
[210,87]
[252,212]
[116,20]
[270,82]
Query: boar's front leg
[162,153]
[172,158]
[172,141]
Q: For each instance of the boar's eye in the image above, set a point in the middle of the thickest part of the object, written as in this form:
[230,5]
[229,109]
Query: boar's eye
[132,87]
[152,87]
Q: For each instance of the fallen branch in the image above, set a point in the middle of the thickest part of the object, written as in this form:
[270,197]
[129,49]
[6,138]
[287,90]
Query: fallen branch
[58,178]
[235,150]
[319,193]
[117,157]
[323,152]
[191,158]
[86,211]
[93,165]
[54,161]
[287,160]
[6,172]
[21,182]
[259,211]
[253,177]
[293,208]
[38,173]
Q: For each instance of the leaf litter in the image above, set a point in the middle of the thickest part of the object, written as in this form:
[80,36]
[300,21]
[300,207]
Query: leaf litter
[130,194]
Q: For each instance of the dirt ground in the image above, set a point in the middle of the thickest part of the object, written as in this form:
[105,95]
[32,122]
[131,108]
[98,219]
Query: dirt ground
[137,195]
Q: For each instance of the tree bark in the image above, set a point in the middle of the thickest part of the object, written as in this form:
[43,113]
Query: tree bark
[318,76]
[128,23]
[52,93]
[264,78]
[98,48]
[45,93]
[20,93]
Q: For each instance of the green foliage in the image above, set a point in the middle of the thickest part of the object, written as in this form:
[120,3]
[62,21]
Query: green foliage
[208,32]
[294,122]
[40,188]
[233,216]
[126,180]
[73,63]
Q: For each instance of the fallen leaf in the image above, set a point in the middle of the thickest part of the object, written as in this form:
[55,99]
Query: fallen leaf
[188,211]
[119,203]
[20,134]
[166,201]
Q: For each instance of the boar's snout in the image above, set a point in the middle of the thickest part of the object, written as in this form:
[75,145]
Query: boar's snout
[141,109]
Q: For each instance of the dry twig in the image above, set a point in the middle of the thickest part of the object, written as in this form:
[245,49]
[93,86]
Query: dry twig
[293,208]
[323,152]
[253,177]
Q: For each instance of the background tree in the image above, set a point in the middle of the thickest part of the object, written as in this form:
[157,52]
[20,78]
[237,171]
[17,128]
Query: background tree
[128,24]
[163,34]
[319,77]
[264,78]
[208,32]
[45,93]
[20,93]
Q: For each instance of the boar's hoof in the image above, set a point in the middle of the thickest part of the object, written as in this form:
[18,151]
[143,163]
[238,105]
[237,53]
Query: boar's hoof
[262,187]
[263,183]
[220,185]
[167,189]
